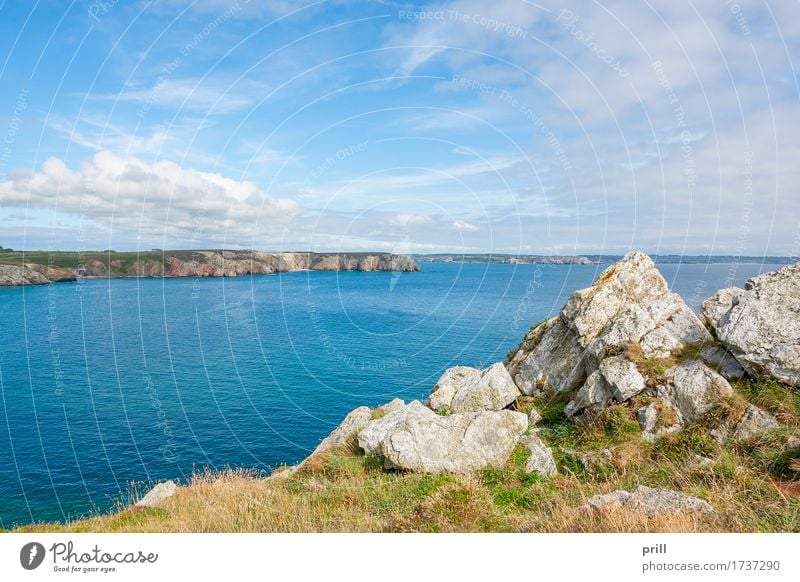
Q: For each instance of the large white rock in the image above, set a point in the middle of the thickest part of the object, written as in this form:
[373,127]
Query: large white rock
[463,389]
[446,387]
[693,389]
[623,377]
[629,302]
[760,324]
[417,439]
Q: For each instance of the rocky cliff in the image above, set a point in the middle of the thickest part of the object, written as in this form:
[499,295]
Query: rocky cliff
[626,348]
[201,263]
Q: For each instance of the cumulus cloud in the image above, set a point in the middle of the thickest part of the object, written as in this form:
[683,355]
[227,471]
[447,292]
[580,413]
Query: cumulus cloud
[134,197]
[463,226]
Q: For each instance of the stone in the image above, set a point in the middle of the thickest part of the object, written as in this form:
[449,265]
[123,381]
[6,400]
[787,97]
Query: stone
[534,417]
[415,438]
[760,324]
[593,395]
[158,494]
[541,460]
[355,421]
[723,362]
[554,364]
[623,377]
[651,421]
[395,404]
[649,501]
[446,387]
[493,389]
[754,423]
[693,389]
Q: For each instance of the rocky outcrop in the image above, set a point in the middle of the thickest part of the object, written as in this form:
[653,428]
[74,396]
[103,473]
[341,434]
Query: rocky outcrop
[32,274]
[415,438]
[630,303]
[158,494]
[649,501]
[760,324]
[463,389]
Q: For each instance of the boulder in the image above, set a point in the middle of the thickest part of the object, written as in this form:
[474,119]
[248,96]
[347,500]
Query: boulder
[415,438]
[445,389]
[693,389]
[594,395]
[629,303]
[541,460]
[158,494]
[760,324]
[465,389]
[622,377]
[754,423]
[650,501]
[355,421]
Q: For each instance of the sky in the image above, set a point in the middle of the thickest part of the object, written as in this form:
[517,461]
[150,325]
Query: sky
[469,126]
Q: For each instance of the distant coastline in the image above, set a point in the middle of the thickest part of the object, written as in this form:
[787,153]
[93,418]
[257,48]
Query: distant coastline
[592,259]
[18,268]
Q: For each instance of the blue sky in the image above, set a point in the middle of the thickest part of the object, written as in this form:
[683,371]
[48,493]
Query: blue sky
[509,126]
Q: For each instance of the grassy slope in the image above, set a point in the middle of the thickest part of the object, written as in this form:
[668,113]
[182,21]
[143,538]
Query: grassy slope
[754,486]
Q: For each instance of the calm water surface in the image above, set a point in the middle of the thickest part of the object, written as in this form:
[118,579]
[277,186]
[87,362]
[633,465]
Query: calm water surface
[107,383]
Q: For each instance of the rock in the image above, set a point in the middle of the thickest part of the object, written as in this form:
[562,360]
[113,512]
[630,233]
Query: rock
[395,404]
[463,389]
[613,500]
[441,397]
[760,324]
[723,362]
[754,422]
[623,377]
[629,303]
[593,395]
[693,389]
[12,275]
[650,501]
[653,423]
[793,442]
[534,417]
[355,421]
[553,363]
[541,460]
[417,439]
[158,494]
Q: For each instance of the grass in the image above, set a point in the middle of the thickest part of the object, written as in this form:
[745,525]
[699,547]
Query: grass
[754,486]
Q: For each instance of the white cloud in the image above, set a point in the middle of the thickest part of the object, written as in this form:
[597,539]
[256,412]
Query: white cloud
[463,226]
[409,220]
[133,197]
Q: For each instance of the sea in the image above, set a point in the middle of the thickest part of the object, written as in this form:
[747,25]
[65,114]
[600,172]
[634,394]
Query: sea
[107,386]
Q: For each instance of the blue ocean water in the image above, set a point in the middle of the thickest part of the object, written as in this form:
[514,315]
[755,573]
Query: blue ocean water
[104,383]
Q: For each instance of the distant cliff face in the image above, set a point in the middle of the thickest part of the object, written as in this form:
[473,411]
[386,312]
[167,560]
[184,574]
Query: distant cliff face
[31,274]
[203,264]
